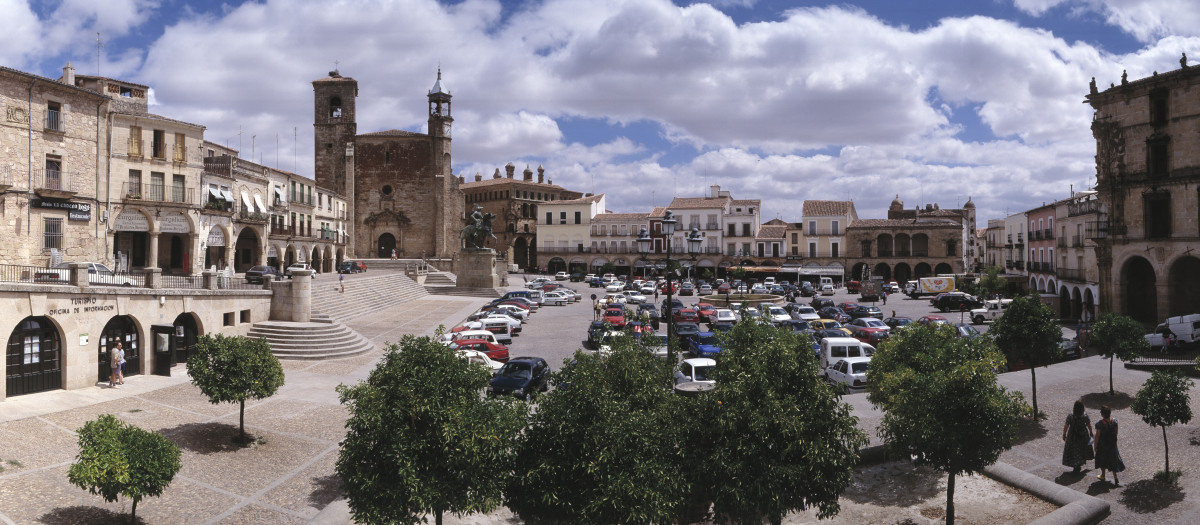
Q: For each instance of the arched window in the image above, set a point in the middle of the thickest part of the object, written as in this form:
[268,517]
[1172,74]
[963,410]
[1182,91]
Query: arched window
[335,107]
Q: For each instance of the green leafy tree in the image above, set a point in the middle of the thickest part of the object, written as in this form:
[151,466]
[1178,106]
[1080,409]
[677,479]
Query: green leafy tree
[422,439]
[1162,402]
[990,283]
[1119,336]
[943,406]
[772,437]
[608,268]
[604,447]
[234,369]
[1028,332]
[738,273]
[118,459]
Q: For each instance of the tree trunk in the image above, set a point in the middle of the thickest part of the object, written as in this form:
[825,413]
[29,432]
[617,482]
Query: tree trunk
[133,513]
[1111,358]
[950,500]
[1166,451]
[437,520]
[242,420]
[1033,374]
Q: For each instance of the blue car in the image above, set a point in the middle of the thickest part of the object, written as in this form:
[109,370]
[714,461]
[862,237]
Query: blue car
[704,344]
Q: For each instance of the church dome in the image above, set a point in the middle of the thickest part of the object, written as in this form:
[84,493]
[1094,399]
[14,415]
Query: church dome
[897,204]
[969,204]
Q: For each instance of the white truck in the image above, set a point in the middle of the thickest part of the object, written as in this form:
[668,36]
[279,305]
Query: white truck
[991,310]
[1185,327]
[932,286]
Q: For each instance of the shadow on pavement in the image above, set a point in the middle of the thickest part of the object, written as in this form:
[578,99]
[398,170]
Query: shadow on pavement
[205,438]
[1148,495]
[894,484]
[1069,478]
[1029,430]
[328,488]
[84,514]
[1117,401]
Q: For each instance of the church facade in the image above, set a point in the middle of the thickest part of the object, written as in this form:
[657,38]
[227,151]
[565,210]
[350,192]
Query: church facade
[402,193]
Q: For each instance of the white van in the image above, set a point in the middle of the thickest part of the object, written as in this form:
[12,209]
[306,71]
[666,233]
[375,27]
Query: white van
[825,281]
[834,348]
[500,329]
[1185,327]
[537,296]
[769,281]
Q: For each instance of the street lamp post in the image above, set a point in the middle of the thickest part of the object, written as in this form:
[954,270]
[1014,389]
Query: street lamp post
[693,247]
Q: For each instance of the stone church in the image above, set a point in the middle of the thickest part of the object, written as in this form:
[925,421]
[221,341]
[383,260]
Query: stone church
[402,194]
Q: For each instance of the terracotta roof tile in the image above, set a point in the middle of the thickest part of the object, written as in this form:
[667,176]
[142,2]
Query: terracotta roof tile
[772,231]
[691,203]
[826,208]
[393,133]
[524,184]
[930,222]
[621,217]
[747,202]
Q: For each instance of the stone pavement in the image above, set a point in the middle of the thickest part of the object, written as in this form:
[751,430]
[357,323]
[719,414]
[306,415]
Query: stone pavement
[287,477]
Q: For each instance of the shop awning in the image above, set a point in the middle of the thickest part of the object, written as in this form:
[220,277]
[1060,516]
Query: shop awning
[215,193]
[279,194]
[258,202]
[227,195]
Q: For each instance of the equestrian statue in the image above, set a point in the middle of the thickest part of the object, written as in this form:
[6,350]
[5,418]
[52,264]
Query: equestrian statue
[478,229]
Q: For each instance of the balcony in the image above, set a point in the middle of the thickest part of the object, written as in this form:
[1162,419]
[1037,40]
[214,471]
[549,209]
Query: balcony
[712,226]
[1008,264]
[1020,239]
[159,150]
[1062,243]
[1019,265]
[135,191]
[1083,208]
[1048,233]
[1076,241]
[1096,229]
[55,121]
[1072,274]
[135,148]
[1037,235]
[52,183]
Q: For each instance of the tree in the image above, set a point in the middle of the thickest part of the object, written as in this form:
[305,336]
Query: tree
[605,446]
[422,439]
[990,282]
[608,268]
[942,404]
[234,369]
[1027,331]
[1119,336]
[1162,402]
[119,459]
[772,437]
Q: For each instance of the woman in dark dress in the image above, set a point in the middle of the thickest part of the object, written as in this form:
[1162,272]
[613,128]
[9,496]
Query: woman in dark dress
[1107,455]
[1076,433]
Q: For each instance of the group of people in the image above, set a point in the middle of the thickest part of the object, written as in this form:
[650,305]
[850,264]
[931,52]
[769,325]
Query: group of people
[1083,444]
[116,360]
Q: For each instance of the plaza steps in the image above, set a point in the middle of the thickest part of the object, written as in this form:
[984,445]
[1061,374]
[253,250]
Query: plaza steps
[373,291]
[321,338]
[464,292]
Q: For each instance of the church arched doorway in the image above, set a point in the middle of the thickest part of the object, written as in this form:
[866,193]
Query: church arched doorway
[387,243]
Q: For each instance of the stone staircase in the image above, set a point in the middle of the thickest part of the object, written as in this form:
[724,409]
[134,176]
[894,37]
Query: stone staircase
[320,338]
[370,292]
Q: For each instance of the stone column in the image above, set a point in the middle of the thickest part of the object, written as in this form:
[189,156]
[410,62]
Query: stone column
[301,295]
[210,280]
[152,257]
[77,274]
[196,256]
[1163,290]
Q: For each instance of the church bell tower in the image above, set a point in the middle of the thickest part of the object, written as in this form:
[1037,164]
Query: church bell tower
[440,122]
[334,128]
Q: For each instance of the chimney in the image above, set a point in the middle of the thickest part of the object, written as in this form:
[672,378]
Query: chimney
[497,174]
[716,190]
[509,168]
[528,173]
[462,180]
[478,176]
[68,76]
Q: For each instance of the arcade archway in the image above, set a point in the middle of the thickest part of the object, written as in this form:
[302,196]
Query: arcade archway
[1139,295]
[121,328]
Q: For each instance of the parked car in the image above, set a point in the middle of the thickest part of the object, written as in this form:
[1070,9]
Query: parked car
[687,289]
[695,370]
[522,377]
[847,307]
[866,311]
[966,330]
[686,315]
[806,289]
[827,289]
[634,296]
[705,311]
[849,373]
[829,324]
[723,315]
[256,274]
[685,331]
[615,316]
[475,356]
[705,289]
[897,322]
[802,312]
[870,335]
[98,273]
[867,322]
[295,267]
[555,298]
[723,288]
[776,314]
[933,319]
[821,302]
[494,351]
[955,301]
[343,267]
[835,313]
[561,276]
[704,344]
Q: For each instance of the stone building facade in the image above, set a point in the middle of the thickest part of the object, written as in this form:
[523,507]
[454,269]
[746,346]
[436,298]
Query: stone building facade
[402,194]
[1076,269]
[912,243]
[515,204]
[52,170]
[1148,179]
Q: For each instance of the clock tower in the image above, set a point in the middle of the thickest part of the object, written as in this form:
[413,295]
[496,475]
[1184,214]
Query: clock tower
[440,121]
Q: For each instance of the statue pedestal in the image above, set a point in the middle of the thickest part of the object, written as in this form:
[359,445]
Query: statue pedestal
[477,269]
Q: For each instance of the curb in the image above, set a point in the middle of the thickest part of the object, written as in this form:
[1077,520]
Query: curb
[336,513]
[1074,506]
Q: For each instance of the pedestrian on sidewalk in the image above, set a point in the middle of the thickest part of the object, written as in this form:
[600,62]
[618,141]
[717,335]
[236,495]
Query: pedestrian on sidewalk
[1077,437]
[1107,455]
[884,297]
[114,363]
[120,364]
[598,307]
[393,254]
[342,282]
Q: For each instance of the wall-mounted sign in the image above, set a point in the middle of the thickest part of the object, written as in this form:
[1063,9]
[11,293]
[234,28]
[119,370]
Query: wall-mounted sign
[76,211]
[131,221]
[216,237]
[174,223]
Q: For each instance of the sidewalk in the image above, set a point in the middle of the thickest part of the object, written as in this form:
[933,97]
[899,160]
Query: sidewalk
[287,477]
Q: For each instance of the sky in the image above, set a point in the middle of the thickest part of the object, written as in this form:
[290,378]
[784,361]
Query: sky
[934,101]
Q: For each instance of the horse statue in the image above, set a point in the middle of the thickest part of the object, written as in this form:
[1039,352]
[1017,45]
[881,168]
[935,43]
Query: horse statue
[477,234]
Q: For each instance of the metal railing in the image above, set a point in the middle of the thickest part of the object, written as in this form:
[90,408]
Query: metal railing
[1072,274]
[1048,233]
[1082,208]
[1096,229]
[55,121]
[159,150]
[51,179]
[1062,243]
[190,282]
[1037,235]
[1076,241]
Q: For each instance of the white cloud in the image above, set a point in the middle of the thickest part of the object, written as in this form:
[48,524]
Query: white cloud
[1145,20]
[22,28]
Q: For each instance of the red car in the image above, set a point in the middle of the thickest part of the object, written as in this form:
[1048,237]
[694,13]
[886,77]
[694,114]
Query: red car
[723,288]
[852,286]
[615,317]
[705,311]
[871,336]
[847,307]
[495,351]
[934,320]
[686,315]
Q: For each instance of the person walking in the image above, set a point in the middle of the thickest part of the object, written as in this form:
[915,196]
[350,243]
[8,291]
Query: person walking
[885,297]
[121,364]
[598,307]
[1107,455]
[1077,434]
[342,282]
